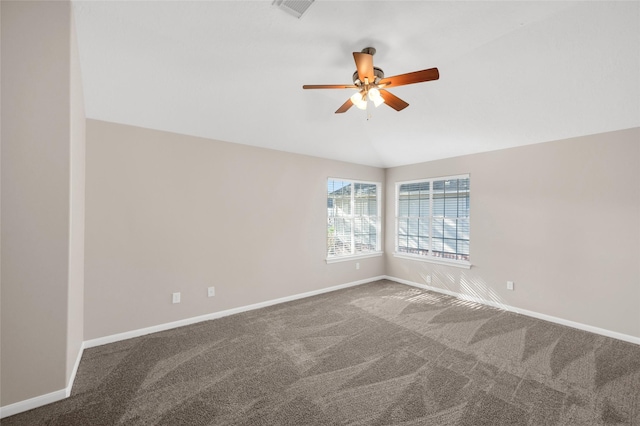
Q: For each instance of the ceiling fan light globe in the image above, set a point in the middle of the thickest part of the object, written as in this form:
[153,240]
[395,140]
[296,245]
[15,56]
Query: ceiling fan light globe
[374,96]
[359,100]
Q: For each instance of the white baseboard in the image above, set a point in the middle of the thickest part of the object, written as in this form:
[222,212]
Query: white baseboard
[561,321]
[39,401]
[72,378]
[31,403]
[193,320]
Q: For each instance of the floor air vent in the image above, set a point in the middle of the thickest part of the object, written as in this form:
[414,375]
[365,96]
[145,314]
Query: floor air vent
[293,7]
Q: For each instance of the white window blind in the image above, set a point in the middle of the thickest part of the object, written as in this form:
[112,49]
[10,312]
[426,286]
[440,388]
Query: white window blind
[353,218]
[432,218]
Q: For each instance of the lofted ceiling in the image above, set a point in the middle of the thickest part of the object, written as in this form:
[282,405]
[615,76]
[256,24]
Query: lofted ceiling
[511,73]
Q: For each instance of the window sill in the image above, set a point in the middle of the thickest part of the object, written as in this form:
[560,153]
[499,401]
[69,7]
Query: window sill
[352,257]
[456,263]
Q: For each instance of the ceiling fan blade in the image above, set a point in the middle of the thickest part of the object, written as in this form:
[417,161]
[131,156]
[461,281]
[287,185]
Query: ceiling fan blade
[345,106]
[364,64]
[410,78]
[329,86]
[393,101]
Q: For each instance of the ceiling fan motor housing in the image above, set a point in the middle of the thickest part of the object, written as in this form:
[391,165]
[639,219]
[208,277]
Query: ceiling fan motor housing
[377,72]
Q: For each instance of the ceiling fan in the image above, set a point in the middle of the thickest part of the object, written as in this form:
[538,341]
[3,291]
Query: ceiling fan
[372,84]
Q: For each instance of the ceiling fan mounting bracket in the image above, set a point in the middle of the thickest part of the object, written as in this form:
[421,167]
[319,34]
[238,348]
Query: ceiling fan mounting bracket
[369,50]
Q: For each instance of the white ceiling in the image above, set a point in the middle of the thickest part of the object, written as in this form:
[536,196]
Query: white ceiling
[511,73]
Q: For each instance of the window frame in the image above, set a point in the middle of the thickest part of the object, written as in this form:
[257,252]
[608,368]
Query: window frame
[379,251]
[429,257]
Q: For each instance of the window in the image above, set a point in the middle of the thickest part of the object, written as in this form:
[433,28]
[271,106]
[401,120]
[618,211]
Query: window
[353,219]
[432,219]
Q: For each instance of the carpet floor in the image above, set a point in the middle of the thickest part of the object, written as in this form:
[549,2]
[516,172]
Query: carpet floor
[377,354]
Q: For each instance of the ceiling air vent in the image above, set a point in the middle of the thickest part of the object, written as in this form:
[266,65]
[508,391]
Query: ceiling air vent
[293,7]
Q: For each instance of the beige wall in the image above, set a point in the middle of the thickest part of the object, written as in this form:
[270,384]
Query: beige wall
[560,219]
[168,213]
[36,200]
[172,213]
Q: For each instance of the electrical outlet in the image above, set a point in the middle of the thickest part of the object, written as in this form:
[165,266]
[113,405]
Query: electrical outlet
[176,298]
[211,291]
[357,265]
[509,285]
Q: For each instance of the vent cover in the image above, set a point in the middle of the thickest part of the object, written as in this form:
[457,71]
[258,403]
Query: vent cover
[293,7]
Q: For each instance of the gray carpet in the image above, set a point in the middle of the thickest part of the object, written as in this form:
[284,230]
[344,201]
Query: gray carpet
[377,354]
